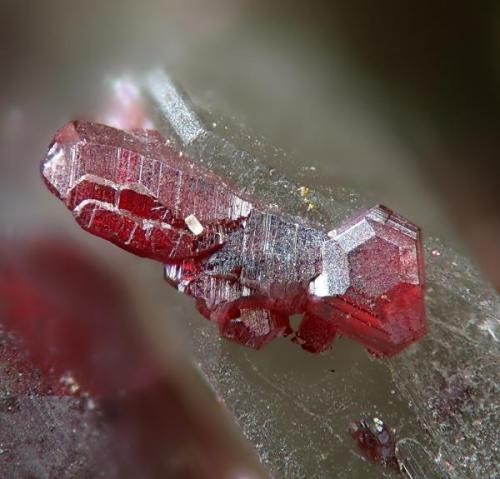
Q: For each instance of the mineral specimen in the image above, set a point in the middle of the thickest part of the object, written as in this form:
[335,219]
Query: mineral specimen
[248,266]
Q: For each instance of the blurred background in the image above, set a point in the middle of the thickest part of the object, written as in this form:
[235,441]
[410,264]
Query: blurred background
[399,100]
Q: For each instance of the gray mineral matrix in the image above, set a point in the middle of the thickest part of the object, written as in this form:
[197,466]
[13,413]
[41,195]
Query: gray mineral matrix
[440,394]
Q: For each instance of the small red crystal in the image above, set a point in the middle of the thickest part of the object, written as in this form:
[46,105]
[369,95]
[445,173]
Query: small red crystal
[376,440]
[248,268]
[315,333]
[254,327]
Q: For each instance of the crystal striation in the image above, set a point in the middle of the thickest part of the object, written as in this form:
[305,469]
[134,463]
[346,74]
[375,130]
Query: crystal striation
[248,266]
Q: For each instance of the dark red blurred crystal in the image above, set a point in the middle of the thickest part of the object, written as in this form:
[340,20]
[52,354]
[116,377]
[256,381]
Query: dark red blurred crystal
[82,392]
[376,441]
[248,268]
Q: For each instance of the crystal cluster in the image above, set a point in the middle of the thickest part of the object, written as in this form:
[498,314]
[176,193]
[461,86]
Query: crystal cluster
[248,266]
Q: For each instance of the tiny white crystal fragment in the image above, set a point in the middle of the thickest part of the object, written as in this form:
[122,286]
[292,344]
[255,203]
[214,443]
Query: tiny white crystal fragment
[193,224]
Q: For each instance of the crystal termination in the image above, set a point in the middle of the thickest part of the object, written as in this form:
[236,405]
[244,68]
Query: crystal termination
[249,268]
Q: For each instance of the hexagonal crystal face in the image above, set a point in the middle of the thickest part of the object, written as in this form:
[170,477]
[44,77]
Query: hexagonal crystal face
[374,267]
[374,285]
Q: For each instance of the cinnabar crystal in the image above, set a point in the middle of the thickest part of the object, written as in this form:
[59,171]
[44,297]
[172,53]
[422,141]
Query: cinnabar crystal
[376,441]
[248,266]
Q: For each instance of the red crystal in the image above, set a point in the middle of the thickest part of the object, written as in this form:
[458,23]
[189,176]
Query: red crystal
[376,440]
[254,327]
[248,268]
[78,377]
[315,333]
[54,298]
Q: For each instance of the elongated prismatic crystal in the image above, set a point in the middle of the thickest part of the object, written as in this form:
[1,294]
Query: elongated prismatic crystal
[248,266]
